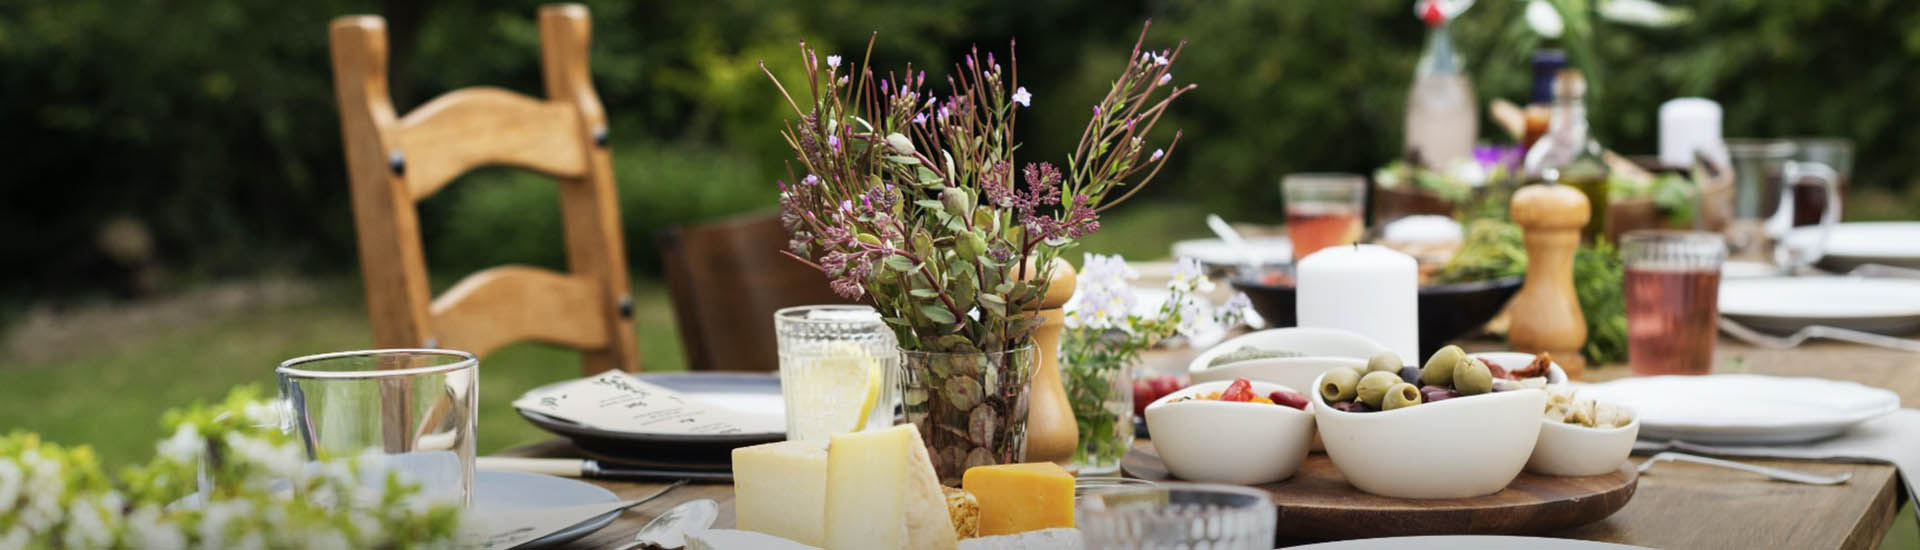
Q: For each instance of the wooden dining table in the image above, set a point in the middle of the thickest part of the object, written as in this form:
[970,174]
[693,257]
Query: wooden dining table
[1677,505]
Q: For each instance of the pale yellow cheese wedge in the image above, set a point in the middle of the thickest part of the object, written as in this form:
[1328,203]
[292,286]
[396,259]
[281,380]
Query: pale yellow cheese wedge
[882,494]
[778,489]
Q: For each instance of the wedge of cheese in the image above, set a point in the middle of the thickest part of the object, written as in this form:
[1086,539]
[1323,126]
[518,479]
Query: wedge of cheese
[882,493]
[778,489]
[1016,498]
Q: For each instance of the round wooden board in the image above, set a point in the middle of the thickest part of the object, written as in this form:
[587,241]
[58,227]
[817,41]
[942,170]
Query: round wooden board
[1317,503]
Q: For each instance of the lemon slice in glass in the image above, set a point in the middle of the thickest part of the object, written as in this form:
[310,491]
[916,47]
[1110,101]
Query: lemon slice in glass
[835,392]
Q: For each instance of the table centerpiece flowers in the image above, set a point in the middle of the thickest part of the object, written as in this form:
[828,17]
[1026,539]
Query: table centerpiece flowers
[914,202]
[1106,329]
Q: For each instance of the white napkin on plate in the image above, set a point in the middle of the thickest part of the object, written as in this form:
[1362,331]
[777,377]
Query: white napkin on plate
[1891,439]
[616,401]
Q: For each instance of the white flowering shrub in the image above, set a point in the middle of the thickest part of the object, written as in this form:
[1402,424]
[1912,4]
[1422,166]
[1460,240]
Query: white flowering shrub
[226,478]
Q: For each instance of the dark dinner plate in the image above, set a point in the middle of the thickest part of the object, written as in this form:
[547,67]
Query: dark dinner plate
[756,392]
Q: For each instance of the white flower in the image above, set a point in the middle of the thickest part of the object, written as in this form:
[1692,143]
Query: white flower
[46,484]
[280,461]
[833,61]
[10,480]
[1189,278]
[92,521]
[1544,20]
[1103,297]
[1159,59]
[322,538]
[1021,96]
[185,446]
[17,537]
[147,529]
[1165,78]
[1157,153]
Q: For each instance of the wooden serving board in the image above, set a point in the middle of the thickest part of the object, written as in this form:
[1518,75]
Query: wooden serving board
[1317,503]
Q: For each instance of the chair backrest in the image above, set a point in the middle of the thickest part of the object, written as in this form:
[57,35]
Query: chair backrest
[728,278]
[395,161]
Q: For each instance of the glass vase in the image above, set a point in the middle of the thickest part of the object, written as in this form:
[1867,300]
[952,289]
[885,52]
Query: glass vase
[1101,393]
[971,408]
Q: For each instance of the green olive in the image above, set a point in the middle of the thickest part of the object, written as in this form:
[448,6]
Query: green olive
[1401,395]
[1472,377]
[1384,361]
[1439,368]
[1339,384]
[1374,386]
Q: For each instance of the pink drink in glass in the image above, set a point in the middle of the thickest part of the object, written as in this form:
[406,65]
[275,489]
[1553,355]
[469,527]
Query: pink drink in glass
[1672,300]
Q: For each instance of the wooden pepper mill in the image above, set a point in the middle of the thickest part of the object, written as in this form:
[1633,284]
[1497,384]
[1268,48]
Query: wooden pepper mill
[1052,432]
[1546,314]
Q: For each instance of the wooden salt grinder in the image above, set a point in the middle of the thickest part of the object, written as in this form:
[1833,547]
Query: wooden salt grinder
[1052,433]
[1546,314]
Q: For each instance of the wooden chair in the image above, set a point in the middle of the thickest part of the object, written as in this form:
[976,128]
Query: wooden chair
[395,161]
[727,279]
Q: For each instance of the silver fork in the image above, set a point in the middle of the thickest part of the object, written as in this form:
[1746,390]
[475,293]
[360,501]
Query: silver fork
[1816,331]
[1781,474]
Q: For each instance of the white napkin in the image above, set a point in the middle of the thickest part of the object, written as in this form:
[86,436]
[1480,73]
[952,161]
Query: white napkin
[1891,439]
[618,402]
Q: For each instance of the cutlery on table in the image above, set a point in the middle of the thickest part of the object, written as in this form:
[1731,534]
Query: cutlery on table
[1781,474]
[1233,239]
[1884,271]
[511,528]
[589,468]
[669,530]
[1816,331]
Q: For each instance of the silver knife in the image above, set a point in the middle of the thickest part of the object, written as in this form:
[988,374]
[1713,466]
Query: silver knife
[590,468]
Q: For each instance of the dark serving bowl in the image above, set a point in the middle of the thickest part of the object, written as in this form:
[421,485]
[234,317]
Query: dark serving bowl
[1446,311]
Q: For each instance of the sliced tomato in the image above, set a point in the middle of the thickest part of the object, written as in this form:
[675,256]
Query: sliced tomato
[1240,390]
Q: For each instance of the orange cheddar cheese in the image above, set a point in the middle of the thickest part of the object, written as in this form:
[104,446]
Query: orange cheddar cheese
[1016,498]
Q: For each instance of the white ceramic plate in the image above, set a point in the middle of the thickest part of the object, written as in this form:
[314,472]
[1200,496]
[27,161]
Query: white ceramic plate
[1745,269]
[494,491]
[1734,409]
[1467,542]
[1265,250]
[1784,304]
[1852,244]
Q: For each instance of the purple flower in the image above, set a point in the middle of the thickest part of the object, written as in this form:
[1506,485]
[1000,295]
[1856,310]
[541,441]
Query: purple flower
[833,142]
[1157,153]
[843,80]
[920,118]
[833,61]
[1500,156]
[1158,59]
[846,206]
[1096,110]
[1165,78]
[810,180]
[1022,97]
[942,117]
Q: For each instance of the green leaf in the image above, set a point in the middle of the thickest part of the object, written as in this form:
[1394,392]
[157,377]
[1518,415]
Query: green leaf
[899,263]
[903,159]
[937,313]
[924,293]
[994,303]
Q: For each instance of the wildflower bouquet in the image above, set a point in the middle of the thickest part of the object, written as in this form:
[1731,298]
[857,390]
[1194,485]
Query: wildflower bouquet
[54,496]
[1104,336]
[914,200]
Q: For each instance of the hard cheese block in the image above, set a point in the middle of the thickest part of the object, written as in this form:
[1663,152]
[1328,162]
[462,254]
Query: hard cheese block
[1016,498]
[778,489]
[882,493]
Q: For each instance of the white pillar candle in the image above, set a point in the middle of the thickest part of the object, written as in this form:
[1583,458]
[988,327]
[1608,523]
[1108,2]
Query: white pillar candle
[1367,289]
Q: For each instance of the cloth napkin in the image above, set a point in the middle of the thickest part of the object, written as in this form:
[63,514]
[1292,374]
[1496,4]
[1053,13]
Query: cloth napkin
[1891,439]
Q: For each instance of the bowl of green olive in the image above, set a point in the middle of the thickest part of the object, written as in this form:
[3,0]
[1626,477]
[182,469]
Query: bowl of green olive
[1472,431]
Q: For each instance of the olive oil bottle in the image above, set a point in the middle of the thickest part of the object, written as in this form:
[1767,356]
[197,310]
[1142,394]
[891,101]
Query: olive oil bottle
[1569,156]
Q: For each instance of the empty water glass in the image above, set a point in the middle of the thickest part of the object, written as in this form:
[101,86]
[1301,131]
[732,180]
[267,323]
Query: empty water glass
[416,406]
[1172,516]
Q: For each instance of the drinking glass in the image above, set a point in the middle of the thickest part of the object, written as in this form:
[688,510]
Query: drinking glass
[1833,152]
[1756,175]
[1672,299]
[1178,516]
[417,406]
[1323,210]
[826,352]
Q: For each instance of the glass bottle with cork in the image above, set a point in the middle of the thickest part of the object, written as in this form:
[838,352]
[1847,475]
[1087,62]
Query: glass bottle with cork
[1443,114]
[1569,156]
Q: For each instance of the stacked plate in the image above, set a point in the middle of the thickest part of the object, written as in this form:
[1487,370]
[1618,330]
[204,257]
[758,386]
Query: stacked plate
[1853,244]
[1786,304]
[1744,409]
[697,456]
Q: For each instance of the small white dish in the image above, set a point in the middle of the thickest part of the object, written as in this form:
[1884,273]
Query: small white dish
[1216,252]
[1226,442]
[1572,450]
[1309,342]
[1294,372]
[1854,243]
[1513,360]
[1787,304]
[1736,409]
[1464,447]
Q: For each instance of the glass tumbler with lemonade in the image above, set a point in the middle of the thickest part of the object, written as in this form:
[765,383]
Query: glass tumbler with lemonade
[1323,210]
[838,370]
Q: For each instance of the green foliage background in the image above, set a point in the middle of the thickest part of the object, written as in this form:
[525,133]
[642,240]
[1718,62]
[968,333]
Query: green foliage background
[213,123]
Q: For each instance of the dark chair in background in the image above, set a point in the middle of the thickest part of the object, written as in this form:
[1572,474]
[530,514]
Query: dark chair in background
[727,278]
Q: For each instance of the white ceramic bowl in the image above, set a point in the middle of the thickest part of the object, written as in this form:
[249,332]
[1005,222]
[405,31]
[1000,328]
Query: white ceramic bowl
[1311,342]
[1293,372]
[1222,442]
[1457,448]
[1573,450]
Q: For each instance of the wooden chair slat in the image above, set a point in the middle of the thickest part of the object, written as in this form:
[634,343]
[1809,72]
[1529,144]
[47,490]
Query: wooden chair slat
[728,278]
[501,305]
[473,127]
